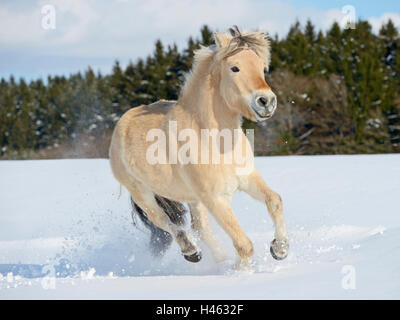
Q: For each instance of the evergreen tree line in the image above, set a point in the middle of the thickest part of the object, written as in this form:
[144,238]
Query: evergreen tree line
[338,92]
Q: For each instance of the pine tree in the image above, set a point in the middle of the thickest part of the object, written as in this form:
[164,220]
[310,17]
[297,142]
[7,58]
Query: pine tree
[390,43]
[206,36]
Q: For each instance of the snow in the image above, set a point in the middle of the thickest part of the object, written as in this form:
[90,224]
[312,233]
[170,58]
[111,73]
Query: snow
[66,234]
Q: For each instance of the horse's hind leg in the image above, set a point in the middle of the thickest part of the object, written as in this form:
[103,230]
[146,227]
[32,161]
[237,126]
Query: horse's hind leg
[146,200]
[201,224]
[160,240]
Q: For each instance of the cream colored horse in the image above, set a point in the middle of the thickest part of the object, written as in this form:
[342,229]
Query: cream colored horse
[227,81]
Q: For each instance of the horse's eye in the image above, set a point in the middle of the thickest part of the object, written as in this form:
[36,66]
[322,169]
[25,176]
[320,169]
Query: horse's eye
[235,69]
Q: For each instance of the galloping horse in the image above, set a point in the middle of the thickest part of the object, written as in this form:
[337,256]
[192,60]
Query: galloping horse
[226,82]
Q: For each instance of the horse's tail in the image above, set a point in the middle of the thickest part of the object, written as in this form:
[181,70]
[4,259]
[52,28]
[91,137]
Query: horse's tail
[160,240]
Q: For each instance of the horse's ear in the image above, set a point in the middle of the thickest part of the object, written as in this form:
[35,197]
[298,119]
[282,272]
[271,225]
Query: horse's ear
[220,40]
[235,32]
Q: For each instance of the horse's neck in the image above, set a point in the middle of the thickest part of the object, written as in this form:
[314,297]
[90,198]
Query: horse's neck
[205,104]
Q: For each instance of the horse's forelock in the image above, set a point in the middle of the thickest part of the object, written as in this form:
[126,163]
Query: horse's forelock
[253,40]
[256,41]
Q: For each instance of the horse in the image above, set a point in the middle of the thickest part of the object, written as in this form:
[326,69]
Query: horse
[227,82]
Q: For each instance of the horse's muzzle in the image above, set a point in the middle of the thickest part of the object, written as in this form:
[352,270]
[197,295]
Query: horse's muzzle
[264,106]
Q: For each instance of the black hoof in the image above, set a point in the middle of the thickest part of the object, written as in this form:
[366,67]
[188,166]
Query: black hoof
[195,257]
[279,250]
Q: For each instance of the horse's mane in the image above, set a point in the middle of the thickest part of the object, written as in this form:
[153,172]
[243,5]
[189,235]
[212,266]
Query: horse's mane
[234,41]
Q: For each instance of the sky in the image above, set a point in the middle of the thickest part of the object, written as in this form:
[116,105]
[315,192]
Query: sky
[42,37]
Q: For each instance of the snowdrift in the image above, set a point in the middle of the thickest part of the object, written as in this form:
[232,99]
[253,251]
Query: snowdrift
[66,233]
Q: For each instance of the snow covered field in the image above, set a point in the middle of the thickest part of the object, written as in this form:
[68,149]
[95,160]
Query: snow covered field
[63,219]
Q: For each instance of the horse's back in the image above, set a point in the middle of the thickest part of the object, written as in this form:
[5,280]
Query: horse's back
[154,112]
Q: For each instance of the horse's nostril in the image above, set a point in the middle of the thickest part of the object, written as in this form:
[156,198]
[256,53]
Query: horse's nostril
[262,101]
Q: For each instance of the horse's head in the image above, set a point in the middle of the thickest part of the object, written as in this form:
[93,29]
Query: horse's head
[243,60]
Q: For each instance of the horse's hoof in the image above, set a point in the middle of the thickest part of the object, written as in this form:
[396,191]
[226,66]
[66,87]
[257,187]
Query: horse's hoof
[195,257]
[244,265]
[279,249]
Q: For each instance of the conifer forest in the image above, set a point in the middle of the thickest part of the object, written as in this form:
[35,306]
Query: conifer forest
[338,93]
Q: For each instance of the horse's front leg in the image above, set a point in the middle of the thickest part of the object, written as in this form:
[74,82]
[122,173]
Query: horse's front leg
[255,186]
[220,208]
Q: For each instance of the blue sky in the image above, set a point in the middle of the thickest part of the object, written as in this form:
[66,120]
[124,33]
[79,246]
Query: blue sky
[97,32]
[364,8]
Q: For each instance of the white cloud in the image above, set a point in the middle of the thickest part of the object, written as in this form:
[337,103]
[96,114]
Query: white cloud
[127,29]
[376,23]
[22,29]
